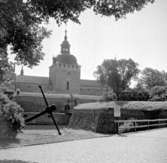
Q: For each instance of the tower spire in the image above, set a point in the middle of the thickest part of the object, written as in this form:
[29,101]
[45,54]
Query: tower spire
[65,46]
[65,37]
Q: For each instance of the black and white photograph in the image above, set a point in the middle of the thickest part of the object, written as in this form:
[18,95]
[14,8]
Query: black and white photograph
[83,81]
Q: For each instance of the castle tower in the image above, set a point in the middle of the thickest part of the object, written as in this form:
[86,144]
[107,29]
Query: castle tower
[64,73]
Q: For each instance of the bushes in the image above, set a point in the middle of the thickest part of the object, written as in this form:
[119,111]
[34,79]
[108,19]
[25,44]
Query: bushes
[127,95]
[134,95]
[158,93]
[109,96]
[10,116]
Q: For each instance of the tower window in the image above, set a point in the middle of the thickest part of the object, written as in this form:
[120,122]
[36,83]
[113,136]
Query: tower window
[67,85]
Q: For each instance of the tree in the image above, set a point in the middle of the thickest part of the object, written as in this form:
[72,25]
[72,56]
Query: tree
[20,21]
[71,9]
[20,28]
[4,66]
[117,74]
[152,77]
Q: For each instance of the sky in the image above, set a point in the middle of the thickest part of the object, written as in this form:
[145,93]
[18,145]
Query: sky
[141,36]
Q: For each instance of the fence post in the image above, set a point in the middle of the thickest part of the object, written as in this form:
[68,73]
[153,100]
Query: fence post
[116,125]
[135,126]
[117,115]
[158,123]
[148,124]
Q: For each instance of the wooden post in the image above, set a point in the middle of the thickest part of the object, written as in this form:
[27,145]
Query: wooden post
[117,114]
[117,125]
[135,125]
[148,124]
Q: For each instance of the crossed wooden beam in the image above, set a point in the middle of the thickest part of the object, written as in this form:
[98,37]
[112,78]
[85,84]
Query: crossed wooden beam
[49,110]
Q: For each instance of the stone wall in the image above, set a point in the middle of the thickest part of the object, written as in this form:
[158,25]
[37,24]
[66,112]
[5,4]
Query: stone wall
[30,87]
[95,120]
[101,119]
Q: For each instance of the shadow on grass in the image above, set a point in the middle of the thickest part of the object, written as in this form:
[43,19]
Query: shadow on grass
[38,137]
[122,135]
[5,143]
[15,161]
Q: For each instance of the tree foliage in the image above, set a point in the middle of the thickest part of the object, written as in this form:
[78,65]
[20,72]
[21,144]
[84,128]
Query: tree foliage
[62,10]
[20,21]
[152,77]
[4,66]
[12,114]
[134,95]
[117,74]
[20,28]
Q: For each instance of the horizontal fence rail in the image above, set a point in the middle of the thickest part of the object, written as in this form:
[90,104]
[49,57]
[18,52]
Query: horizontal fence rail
[136,124]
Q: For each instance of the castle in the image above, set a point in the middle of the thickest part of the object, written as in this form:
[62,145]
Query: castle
[64,76]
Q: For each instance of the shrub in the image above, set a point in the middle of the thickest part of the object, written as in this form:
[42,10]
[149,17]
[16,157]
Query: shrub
[158,93]
[109,96]
[12,113]
[134,95]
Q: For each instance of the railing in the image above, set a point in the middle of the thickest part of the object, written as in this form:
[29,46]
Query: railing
[134,124]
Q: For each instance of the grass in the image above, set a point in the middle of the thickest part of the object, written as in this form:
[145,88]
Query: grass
[131,105]
[35,135]
[34,102]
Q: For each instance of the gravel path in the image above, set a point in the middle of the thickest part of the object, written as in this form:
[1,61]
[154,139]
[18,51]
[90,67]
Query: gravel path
[140,147]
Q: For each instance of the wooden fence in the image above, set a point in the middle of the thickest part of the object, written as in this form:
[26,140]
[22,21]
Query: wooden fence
[136,124]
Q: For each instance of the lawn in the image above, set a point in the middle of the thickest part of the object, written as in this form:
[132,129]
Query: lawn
[35,135]
[132,105]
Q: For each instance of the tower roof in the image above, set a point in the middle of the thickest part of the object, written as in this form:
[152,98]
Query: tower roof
[67,59]
[65,56]
[65,46]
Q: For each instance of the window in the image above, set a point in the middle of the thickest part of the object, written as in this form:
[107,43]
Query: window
[67,85]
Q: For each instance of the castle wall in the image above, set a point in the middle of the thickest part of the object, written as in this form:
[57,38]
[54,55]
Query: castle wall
[30,87]
[57,83]
[90,87]
[90,91]
[30,83]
